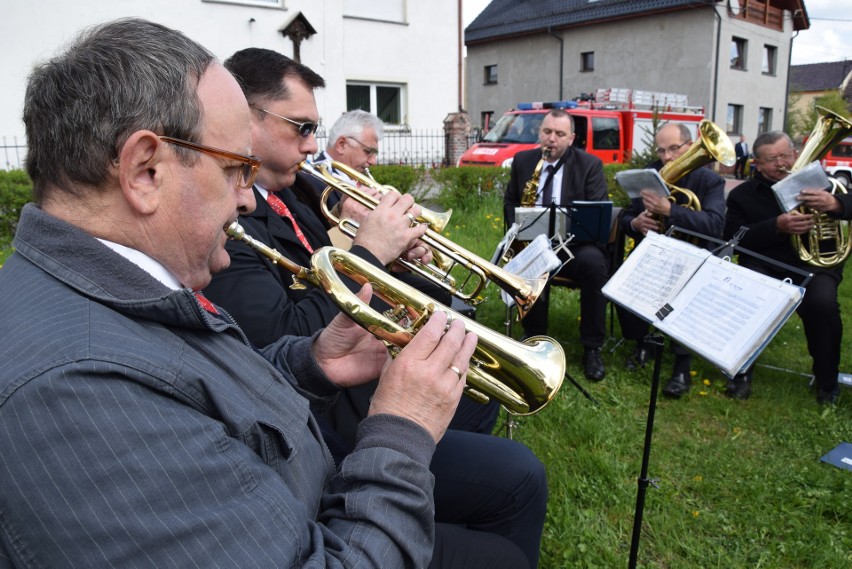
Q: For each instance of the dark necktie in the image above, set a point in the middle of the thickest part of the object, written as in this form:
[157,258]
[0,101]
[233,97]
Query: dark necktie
[547,189]
[281,209]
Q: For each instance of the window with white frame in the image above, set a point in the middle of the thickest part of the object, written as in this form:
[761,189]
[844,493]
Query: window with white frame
[384,10]
[384,100]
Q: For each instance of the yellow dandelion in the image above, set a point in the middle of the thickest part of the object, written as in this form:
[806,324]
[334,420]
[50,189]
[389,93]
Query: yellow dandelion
[692,373]
[698,478]
[702,393]
[695,514]
[706,381]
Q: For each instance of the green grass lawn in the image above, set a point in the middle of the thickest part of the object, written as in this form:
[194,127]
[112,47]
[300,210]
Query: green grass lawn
[740,483]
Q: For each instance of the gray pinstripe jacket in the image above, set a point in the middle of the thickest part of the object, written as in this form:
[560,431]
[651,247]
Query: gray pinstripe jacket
[137,430]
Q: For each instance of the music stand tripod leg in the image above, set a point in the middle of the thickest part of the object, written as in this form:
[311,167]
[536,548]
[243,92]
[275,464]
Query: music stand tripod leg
[657,342]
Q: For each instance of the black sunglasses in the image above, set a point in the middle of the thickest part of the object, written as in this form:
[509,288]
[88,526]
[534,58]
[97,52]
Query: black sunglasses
[305,128]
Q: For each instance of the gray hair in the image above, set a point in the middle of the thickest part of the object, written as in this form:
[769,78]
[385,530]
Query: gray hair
[114,79]
[769,138]
[353,123]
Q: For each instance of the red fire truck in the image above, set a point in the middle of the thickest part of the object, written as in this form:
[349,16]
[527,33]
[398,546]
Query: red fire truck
[617,123]
[838,162]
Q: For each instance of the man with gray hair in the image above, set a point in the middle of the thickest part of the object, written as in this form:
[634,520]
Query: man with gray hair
[138,425]
[752,204]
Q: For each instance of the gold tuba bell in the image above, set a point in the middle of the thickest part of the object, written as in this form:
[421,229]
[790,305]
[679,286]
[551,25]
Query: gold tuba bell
[522,376]
[712,144]
[828,243]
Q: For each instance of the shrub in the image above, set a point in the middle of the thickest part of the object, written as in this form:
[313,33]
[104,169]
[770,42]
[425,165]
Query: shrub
[15,191]
[404,178]
[464,186]
[616,193]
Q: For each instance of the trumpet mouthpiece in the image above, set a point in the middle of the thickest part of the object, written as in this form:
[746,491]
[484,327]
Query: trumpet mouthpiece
[235,231]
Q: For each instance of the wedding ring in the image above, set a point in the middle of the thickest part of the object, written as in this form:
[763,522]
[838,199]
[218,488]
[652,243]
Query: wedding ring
[457,371]
[412,220]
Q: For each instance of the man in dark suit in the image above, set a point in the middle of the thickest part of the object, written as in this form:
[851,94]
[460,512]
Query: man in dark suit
[570,175]
[645,214]
[752,204]
[490,492]
[741,149]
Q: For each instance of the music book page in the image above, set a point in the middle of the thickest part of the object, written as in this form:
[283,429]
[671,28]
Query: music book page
[811,177]
[653,274]
[721,311]
[634,181]
[535,260]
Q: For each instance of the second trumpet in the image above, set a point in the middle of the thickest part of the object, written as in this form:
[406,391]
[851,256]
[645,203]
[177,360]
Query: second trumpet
[479,271]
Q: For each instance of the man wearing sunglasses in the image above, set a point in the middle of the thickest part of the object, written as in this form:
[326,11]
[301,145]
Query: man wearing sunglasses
[139,427]
[643,214]
[490,492]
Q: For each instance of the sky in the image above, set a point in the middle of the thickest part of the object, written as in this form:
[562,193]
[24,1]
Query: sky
[828,39]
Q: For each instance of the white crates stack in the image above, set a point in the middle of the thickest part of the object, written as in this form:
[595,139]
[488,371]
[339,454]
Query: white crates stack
[641,98]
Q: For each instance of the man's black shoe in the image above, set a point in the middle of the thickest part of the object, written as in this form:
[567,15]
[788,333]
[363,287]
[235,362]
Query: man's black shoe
[739,387]
[593,366]
[677,386]
[639,358]
[827,397]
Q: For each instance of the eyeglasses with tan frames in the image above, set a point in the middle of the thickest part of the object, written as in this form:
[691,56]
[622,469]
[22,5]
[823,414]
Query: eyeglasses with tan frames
[249,165]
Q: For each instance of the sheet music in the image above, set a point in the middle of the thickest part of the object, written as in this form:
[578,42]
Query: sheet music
[634,181]
[505,243]
[810,177]
[727,312]
[535,260]
[653,274]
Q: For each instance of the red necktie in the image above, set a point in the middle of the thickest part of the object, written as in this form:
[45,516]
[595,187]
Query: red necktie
[281,209]
[205,303]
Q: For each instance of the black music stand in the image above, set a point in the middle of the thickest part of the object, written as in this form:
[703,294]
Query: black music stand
[551,211]
[726,250]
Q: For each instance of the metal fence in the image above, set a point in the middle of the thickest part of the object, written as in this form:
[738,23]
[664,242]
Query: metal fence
[12,153]
[408,147]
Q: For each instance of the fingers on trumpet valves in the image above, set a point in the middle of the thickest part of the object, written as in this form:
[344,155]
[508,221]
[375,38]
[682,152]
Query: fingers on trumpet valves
[412,220]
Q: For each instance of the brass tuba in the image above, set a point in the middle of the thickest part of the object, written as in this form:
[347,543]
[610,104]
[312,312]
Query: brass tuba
[712,144]
[828,243]
[523,377]
[479,271]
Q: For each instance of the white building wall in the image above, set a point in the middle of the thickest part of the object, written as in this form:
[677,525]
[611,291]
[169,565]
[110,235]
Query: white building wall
[421,53]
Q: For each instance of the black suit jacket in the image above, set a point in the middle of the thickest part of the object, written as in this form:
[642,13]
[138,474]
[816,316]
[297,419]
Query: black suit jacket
[257,293]
[582,179]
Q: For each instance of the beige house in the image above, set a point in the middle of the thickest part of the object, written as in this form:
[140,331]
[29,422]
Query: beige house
[730,57]
[808,82]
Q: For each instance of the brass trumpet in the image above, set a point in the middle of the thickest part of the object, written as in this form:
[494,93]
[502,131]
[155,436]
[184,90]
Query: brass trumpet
[524,291]
[522,376]
[437,220]
[830,241]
